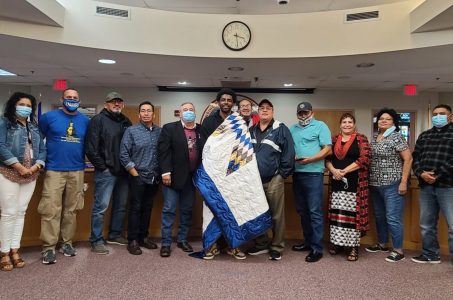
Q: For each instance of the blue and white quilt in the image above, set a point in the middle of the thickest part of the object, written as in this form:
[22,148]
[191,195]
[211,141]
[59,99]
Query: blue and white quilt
[234,201]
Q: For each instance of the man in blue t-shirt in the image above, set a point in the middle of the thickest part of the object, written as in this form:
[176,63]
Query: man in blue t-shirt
[313,142]
[64,130]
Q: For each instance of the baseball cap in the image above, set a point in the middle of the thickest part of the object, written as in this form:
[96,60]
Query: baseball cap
[266,101]
[112,96]
[304,106]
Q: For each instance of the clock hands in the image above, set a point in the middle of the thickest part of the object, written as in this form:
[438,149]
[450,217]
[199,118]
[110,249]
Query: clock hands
[238,36]
[237,39]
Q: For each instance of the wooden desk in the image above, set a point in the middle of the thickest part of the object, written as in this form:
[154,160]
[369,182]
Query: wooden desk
[412,237]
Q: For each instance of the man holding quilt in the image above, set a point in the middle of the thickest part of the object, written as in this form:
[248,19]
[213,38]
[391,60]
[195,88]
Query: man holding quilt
[235,205]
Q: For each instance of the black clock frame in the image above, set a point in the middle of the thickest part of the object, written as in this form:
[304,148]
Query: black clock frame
[246,45]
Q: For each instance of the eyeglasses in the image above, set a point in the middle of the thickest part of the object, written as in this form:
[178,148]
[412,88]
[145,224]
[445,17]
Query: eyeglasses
[245,106]
[265,108]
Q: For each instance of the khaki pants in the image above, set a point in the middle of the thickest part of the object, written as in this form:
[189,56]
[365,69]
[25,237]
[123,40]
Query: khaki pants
[58,215]
[275,195]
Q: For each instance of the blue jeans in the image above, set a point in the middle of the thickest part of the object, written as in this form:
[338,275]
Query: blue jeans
[432,200]
[308,196]
[172,197]
[106,185]
[388,210]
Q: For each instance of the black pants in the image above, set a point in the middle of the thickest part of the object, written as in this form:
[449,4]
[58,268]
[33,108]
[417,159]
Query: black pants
[141,205]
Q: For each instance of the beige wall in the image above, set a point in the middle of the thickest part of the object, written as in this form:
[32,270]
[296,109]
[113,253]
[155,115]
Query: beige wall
[319,34]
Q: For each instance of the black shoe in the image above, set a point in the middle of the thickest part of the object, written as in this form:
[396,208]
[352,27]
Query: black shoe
[165,251]
[256,251]
[147,243]
[421,259]
[313,256]
[275,255]
[134,248]
[377,248]
[185,246]
[395,257]
[301,247]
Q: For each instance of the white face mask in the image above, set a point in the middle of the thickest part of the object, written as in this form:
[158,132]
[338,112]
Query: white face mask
[389,131]
[305,121]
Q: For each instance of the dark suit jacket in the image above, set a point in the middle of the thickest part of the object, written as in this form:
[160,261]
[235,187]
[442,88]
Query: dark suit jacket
[174,153]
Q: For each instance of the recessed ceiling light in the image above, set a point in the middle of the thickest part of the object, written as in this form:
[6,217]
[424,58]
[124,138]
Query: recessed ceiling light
[6,73]
[182,82]
[236,69]
[365,65]
[287,84]
[107,61]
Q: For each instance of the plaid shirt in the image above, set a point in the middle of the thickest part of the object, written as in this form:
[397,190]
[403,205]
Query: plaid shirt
[139,150]
[434,152]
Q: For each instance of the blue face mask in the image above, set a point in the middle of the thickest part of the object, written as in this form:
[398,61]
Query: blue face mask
[71,104]
[440,120]
[23,111]
[188,116]
[389,131]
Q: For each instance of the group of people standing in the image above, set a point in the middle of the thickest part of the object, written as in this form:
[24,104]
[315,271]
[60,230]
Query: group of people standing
[130,161]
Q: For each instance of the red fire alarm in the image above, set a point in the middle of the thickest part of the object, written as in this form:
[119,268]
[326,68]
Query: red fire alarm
[60,84]
[410,90]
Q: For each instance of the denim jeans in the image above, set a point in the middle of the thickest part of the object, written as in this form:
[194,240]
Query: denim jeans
[432,200]
[388,210]
[172,197]
[308,196]
[140,207]
[107,185]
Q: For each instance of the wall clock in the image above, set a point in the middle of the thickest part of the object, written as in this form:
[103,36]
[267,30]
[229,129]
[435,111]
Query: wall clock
[236,35]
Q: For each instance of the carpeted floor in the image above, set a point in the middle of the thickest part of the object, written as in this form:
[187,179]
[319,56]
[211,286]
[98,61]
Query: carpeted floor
[148,276]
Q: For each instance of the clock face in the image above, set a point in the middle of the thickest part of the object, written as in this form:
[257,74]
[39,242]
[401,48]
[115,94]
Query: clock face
[236,35]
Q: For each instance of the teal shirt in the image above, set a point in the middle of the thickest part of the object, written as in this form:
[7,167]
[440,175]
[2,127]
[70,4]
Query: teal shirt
[308,141]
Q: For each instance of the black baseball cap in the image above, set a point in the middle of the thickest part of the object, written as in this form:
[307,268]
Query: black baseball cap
[304,106]
[266,101]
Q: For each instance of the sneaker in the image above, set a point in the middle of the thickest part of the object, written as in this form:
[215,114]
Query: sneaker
[99,249]
[49,257]
[275,255]
[421,259]
[211,252]
[118,241]
[376,248]
[255,251]
[394,256]
[236,253]
[68,250]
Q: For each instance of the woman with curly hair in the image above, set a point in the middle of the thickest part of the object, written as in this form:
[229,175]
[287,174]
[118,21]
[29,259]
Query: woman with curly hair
[22,156]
